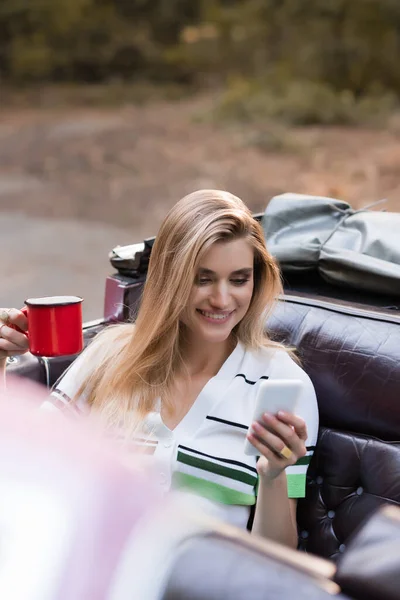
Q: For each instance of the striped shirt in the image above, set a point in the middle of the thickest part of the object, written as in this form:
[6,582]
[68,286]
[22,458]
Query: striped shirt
[205,451]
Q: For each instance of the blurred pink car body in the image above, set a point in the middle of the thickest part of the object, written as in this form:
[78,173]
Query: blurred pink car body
[73,516]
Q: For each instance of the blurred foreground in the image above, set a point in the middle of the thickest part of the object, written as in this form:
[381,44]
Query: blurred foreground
[80,517]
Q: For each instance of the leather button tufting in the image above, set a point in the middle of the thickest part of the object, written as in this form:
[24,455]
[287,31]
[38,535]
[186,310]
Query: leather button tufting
[319,479]
[360,491]
[342,548]
[331,514]
[304,535]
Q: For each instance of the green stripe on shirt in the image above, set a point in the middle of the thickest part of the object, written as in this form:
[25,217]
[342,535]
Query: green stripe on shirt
[304,460]
[210,490]
[206,465]
[296,485]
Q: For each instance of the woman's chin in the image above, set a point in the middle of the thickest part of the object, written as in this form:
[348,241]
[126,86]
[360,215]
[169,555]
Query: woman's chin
[213,337]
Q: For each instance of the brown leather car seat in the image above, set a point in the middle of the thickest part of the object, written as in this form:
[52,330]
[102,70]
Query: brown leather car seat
[352,357]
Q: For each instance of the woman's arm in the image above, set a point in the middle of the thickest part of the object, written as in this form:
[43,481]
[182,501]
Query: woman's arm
[280,440]
[275,516]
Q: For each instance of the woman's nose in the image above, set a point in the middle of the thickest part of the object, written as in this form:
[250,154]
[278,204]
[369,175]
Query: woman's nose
[220,297]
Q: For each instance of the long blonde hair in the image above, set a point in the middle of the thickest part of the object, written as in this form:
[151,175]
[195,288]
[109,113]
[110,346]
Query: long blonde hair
[134,364]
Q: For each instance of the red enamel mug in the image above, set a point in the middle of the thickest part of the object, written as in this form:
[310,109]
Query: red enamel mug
[54,325]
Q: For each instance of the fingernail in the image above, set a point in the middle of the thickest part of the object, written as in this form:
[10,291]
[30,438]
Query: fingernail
[267,416]
[282,413]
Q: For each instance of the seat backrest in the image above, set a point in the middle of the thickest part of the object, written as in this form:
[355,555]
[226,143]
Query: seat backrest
[68,504]
[352,357]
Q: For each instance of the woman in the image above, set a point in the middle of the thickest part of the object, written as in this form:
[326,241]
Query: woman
[181,382]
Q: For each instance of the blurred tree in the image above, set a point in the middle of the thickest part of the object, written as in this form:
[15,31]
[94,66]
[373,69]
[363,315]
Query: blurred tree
[29,32]
[345,44]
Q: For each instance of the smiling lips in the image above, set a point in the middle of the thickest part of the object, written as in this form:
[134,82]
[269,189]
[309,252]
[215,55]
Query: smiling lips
[215,317]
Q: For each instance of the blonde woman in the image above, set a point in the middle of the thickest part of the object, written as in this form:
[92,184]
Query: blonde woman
[181,381]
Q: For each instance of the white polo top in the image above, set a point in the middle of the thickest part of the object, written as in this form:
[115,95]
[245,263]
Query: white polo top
[205,451]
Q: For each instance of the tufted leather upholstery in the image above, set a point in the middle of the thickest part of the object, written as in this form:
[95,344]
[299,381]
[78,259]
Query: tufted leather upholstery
[352,360]
[350,477]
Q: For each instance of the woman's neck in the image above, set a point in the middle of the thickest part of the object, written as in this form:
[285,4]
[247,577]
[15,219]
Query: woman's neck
[206,358]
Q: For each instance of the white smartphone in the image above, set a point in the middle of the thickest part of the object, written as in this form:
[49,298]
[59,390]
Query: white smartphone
[274,395]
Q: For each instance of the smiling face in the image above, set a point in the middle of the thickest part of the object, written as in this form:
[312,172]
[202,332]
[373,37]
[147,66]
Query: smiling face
[221,293]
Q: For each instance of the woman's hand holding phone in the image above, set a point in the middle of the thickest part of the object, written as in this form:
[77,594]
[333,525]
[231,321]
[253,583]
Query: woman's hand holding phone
[276,434]
[280,441]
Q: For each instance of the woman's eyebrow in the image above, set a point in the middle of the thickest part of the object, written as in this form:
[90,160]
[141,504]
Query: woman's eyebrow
[244,271]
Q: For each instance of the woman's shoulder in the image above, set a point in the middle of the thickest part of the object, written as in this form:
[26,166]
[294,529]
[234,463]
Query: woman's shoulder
[100,351]
[115,331]
[110,340]
[70,390]
[270,354]
[280,364]
[275,361]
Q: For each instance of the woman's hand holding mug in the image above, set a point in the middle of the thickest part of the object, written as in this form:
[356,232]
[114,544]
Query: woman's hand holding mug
[12,341]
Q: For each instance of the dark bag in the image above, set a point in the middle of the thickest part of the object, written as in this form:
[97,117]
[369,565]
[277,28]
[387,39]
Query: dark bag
[358,249]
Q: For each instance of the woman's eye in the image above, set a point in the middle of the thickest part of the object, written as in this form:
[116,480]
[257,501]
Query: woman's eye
[208,281]
[239,281]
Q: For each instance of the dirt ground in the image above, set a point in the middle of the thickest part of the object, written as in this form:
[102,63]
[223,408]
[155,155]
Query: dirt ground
[115,173]
[127,166]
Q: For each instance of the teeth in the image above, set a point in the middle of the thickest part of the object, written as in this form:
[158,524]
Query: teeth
[215,316]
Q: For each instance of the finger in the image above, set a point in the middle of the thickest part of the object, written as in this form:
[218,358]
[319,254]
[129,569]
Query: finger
[262,448]
[295,421]
[287,433]
[274,462]
[15,338]
[4,316]
[16,317]
[9,349]
[272,442]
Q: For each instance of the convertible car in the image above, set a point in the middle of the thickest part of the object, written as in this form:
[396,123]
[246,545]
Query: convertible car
[341,311]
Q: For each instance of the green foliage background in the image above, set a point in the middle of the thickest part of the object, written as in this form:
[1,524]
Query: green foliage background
[347,45]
